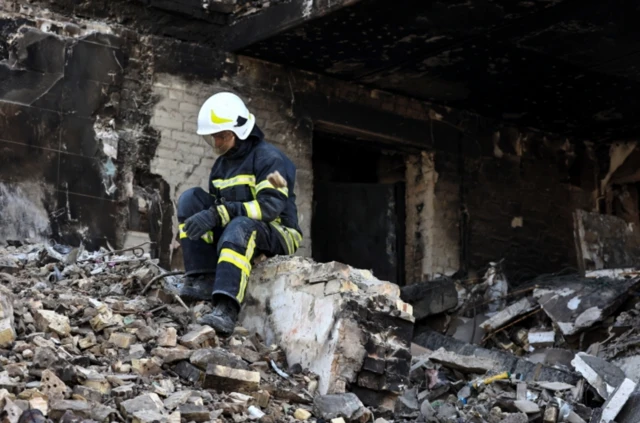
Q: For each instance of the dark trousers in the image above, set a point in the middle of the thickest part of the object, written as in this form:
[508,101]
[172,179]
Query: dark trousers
[226,252]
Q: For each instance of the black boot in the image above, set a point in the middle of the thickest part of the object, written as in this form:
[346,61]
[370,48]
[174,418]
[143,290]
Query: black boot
[224,316]
[198,288]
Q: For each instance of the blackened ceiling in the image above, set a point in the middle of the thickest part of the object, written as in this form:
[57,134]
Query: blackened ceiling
[566,66]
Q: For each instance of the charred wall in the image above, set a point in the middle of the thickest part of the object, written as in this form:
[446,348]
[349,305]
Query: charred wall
[102,119]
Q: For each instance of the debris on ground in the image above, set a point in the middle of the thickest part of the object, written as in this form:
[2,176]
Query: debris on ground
[102,336]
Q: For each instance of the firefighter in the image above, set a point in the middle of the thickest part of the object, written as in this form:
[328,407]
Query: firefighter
[245,212]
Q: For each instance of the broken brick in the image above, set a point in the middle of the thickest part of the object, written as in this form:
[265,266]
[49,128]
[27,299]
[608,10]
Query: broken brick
[228,379]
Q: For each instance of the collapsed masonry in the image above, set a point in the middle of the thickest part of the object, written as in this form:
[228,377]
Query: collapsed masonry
[97,336]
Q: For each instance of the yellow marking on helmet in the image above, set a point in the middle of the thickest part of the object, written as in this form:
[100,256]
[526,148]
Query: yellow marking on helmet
[219,120]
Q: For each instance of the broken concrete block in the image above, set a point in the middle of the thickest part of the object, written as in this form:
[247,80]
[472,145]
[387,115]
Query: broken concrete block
[149,416]
[430,297]
[146,333]
[463,363]
[301,414]
[88,393]
[176,399]
[53,387]
[602,375]
[228,379]
[529,370]
[527,407]
[195,413]
[170,355]
[541,338]
[202,338]
[189,372]
[575,304]
[262,398]
[50,321]
[79,408]
[204,357]
[168,337]
[347,406]
[125,391]
[122,340]
[331,342]
[617,400]
[146,402]
[510,313]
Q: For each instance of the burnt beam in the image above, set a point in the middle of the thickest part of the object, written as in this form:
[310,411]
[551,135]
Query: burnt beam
[278,18]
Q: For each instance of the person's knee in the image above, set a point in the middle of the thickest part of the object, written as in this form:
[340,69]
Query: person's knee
[237,231]
[189,203]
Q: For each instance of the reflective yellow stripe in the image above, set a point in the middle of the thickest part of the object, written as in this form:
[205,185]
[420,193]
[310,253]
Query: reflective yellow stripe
[207,237]
[297,237]
[236,180]
[287,237]
[266,184]
[236,259]
[245,277]
[253,210]
[224,215]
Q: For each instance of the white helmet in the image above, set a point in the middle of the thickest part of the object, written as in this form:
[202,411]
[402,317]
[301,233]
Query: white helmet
[225,112]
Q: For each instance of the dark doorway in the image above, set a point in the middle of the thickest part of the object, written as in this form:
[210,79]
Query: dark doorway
[359,206]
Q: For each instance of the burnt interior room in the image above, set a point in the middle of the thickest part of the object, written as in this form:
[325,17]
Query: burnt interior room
[358,206]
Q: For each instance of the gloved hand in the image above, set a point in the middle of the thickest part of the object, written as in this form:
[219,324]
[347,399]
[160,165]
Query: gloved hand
[198,224]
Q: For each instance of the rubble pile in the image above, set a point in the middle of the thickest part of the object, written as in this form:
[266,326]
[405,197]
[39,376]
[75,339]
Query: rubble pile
[560,348]
[103,337]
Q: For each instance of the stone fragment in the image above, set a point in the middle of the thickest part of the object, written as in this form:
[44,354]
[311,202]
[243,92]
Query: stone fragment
[149,416]
[125,391]
[79,408]
[578,304]
[510,313]
[147,366]
[602,375]
[176,399]
[170,355]
[168,337]
[463,363]
[527,407]
[301,414]
[146,402]
[53,387]
[338,420]
[189,372]
[97,381]
[262,398]
[40,404]
[541,338]
[88,341]
[201,338]
[7,333]
[13,412]
[347,406]
[228,379]
[50,321]
[122,340]
[617,400]
[195,413]
[88,393]
[331,341]
[146,333]
[204,357]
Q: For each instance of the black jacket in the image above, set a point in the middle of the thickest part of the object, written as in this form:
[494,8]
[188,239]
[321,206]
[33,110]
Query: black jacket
[238,181]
